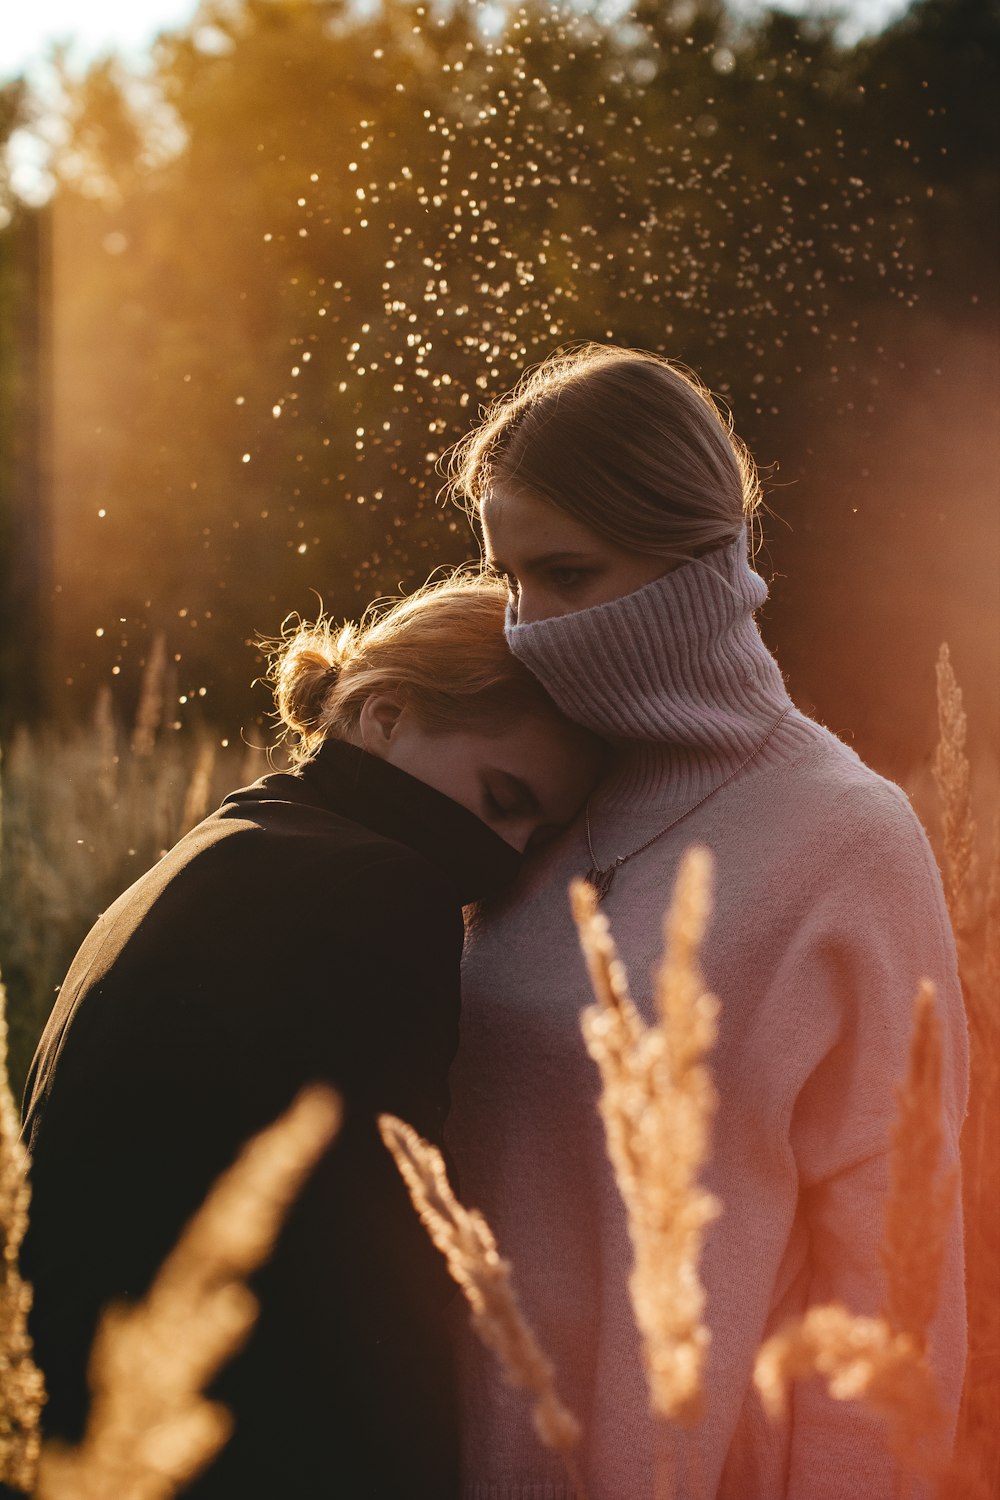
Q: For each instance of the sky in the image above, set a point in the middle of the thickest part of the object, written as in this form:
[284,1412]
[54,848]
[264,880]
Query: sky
[28,30]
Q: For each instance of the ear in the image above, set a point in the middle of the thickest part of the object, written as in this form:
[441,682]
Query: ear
[378,722]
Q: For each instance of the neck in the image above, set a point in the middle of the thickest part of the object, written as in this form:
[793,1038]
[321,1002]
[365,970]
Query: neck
[675,675]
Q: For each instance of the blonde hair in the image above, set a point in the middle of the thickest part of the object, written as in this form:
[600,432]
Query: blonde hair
[441,652]
[625,441]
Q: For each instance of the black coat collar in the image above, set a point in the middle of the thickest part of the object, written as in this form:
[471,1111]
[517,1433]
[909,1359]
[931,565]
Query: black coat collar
[347,780]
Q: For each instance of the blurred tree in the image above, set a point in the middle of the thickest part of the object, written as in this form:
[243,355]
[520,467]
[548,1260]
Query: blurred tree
[25,541]
[292,262]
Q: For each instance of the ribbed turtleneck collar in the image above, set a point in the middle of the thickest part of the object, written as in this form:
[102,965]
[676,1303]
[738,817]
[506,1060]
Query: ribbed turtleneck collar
[675,674]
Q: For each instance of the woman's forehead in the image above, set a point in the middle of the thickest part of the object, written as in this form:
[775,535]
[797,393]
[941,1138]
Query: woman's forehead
[516,519]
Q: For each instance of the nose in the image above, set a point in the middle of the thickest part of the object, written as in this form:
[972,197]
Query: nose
[530,607]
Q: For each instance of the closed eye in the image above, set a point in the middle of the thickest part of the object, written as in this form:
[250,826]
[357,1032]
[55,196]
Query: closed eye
[495,807]
[507,796]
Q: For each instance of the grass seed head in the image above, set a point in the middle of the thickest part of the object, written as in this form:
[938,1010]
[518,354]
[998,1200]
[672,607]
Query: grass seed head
[921,1202]
[150,1429]
[657,1101]
[466,1241]
[22,1389]
[952,775]
[882,1362]
[860,1359]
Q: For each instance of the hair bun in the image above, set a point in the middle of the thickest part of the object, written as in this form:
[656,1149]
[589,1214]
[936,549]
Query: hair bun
[306,671]
[440,652]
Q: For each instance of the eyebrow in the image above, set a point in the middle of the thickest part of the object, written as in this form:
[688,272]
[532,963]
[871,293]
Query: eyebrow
[543,560]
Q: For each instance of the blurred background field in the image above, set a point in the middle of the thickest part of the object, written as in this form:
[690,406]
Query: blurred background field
[255,279]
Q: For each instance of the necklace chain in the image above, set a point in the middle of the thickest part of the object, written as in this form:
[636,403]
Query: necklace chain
[601,876]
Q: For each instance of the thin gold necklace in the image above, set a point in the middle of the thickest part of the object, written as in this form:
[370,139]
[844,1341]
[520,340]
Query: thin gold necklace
[601,876]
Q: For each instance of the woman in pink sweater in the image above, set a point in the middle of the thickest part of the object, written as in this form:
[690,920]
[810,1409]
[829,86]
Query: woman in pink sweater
[616,501]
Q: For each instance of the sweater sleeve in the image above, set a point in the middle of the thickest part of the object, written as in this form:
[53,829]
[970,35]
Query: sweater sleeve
[881,928]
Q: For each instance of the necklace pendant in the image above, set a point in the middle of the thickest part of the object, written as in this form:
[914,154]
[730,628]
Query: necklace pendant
[601,879]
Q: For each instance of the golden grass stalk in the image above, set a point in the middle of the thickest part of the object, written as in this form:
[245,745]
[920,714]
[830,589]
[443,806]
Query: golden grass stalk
[198,796]
[150,1429]
[975,914]
[106,743]
[657,1103]
[991,927]
[921,1201]
[22,1390]
[466,1241]
[861,1359]
[150,710]
[952,775]
[883,1361]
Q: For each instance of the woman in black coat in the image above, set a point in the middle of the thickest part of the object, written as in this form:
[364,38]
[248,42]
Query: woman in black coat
[310,929]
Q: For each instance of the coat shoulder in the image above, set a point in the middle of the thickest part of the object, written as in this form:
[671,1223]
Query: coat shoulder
[290,854]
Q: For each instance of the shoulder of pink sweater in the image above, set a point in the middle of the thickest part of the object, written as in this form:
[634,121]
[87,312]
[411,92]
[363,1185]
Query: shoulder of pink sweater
[873,924]
[854,807]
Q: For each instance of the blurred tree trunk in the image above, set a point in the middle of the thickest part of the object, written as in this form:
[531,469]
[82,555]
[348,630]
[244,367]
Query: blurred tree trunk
[25,527]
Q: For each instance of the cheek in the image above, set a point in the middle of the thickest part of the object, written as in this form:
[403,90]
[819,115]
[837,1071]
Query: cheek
[543,603]
[459,774]
[570,786]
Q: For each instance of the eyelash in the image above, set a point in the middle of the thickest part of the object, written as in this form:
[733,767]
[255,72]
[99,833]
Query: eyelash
[495,806]
[561,578]
[567,578]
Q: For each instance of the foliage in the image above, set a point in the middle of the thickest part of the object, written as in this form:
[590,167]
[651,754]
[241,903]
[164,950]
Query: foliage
[289,265]
[82,818]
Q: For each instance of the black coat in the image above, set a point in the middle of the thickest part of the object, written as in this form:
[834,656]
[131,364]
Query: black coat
[309,929]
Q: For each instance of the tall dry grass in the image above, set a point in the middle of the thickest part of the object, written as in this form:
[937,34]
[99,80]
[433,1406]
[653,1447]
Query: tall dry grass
[466,1241]
[882,1361]
[75,806]
[150,1430]
[83,816]
[657,1103]
[22,1390]
[972,884]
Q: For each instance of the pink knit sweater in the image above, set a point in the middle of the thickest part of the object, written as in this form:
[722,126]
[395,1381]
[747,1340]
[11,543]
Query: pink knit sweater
[828,911]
